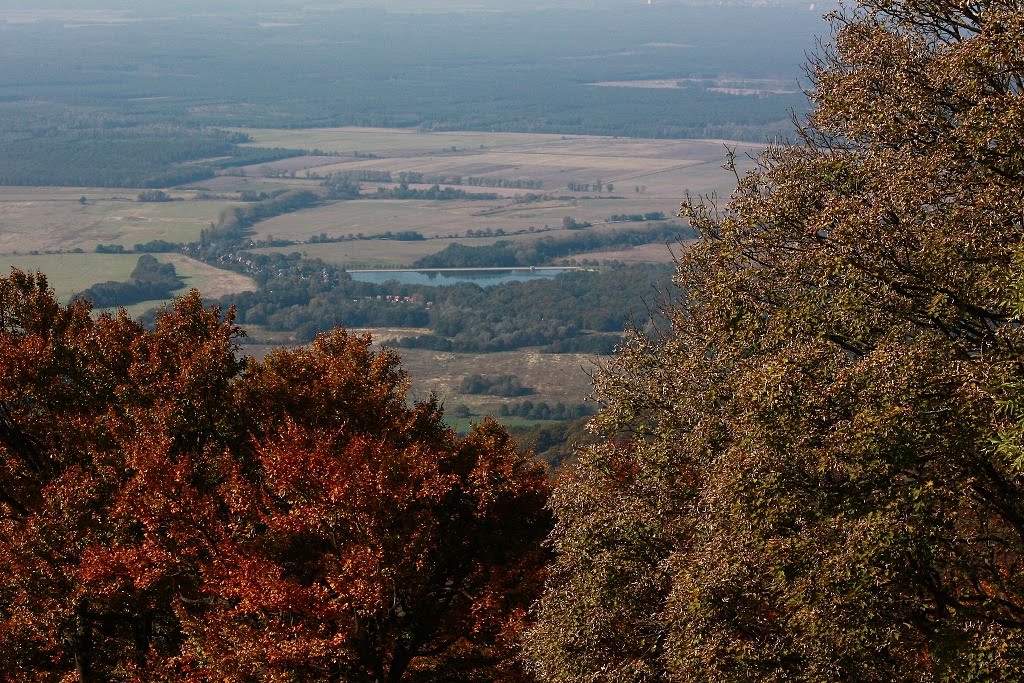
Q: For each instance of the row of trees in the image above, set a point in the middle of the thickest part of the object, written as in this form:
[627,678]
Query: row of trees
[507,254]
[434,192]
[150,247]
[401,236]
[597,186]
[234,221]
[542,410]
[413,177]
[636,217]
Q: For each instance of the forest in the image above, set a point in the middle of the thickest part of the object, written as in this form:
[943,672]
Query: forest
[99,153]
[808,467]
[125,535]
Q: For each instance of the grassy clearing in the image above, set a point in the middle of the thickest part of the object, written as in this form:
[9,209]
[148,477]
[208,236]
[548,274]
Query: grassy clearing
[211,282]
[173,221]
[555,377]
[69,274]
[463,425]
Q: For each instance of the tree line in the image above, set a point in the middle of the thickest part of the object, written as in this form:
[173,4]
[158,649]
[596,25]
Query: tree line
[234,222]
[434,192]
[636,217]
[501,385]
[508,254]
[414,177]
[542,410]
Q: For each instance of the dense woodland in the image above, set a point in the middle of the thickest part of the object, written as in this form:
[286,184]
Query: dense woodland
[87,153]
[170,512]
[303,297]
[817,474]
[555,443]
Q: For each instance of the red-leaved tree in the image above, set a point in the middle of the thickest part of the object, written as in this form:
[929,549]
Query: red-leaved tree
[170,512]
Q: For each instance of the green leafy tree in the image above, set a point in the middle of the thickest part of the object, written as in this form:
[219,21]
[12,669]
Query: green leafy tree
[815,475]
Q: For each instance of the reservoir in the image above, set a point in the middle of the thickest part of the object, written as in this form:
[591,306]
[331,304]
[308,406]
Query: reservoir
[485,277]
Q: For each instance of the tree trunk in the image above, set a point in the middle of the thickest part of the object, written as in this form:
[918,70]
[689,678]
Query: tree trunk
[399,663]
[81,642]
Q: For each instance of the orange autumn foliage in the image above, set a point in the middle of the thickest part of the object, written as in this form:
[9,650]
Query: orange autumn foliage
[170,511]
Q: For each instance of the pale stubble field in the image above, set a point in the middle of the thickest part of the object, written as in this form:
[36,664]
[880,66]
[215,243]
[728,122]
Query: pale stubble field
[42,228]
[637,168]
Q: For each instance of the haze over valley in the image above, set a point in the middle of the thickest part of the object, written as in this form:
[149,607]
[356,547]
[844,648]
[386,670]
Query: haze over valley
[261,150]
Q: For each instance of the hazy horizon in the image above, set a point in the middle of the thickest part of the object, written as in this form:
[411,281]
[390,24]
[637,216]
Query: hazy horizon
[249,6]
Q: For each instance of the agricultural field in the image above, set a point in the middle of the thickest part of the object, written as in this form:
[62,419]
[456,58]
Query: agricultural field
[383,253]
[69,16]
[555,377]
[392,142]
[69,273]
[645,175]
[42,227]
[434,218]
[233,181]
[644,253]
[55,219]
[659,169]
[396,253]
[564,377]
[759,87]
